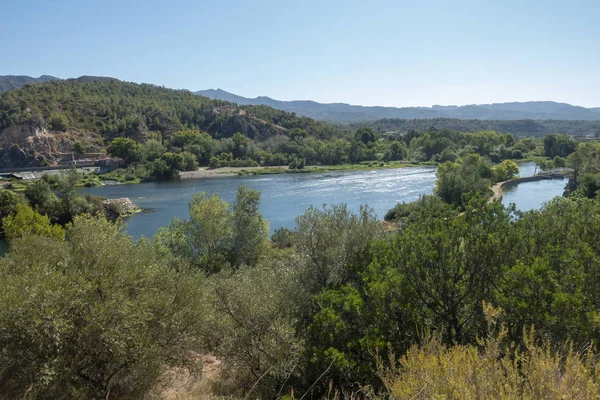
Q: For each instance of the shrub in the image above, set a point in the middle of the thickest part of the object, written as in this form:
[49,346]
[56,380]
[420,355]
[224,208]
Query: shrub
[93,316]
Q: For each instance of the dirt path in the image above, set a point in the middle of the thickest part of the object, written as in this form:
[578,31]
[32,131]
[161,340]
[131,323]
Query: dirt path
[497,192]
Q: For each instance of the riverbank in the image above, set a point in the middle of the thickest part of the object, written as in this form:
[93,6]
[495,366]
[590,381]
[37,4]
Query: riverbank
[205,172]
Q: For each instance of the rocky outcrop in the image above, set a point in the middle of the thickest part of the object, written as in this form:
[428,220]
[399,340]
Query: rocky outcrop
[19,134]
[13,156]
[118,208]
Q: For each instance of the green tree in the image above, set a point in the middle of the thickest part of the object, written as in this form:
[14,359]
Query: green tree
[97,316]
[558,145]
[240,143]
[204,239]
[331,240]
[26,221]
[190,162]
[78,147]
[250,229]
[504,171]
[217,236]
[59,122]
[366,135]
[8,202]
[127,149]
[460,180]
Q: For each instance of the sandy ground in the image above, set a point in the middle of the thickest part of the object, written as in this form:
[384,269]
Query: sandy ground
[184,385]
[205,172]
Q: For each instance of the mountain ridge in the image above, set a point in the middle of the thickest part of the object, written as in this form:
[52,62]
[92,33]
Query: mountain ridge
[347,113]
[343,112]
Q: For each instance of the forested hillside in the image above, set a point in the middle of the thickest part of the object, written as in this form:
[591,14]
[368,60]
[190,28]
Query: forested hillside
[113,108]
[49,118]
[521,127]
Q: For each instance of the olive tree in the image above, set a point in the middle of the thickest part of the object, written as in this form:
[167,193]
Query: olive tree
[95,316]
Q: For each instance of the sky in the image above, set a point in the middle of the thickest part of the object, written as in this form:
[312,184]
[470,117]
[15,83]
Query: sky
[376,52]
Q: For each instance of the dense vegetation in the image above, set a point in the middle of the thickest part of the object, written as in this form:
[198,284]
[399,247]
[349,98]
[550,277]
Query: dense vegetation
[336,305]
[159,132]
[340,305]
[520,127]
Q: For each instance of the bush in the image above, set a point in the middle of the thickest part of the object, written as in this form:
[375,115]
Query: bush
[93,316]
[464,372]
[59,122]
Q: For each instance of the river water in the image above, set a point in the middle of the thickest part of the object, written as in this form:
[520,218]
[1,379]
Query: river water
[283,196]
[532,195]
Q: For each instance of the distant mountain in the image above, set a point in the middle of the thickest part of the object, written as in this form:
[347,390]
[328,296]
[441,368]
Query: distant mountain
[11,82]
[341,112]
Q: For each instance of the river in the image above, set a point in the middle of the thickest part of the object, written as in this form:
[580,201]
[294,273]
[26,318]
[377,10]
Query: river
[283,196]
[532,195]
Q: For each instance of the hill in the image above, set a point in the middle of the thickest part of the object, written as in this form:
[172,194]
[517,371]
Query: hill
[346,113]
[11,82]
[47,118]
[520,127]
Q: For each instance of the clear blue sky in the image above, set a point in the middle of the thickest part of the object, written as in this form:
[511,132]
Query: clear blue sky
[397,53]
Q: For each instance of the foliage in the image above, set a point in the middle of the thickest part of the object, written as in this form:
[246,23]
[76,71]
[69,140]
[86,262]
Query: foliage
[505,171]
[497,371]
[60,200]
[216,236]
[8,202]
[93,317]
[78,147]
[558,145]
[253,327]
[521,127]
[406,213]
[58,122]
[26,221]
[127,149]
[460,180]
[331,239]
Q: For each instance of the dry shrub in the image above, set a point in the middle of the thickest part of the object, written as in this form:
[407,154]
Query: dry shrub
[493,370]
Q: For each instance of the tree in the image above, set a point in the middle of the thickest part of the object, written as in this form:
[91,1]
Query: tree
[558,145]
[59,122]
[452,264]
[331,239]
[8,202]
[40,196]
[458,181]
[78,147]
[366,135]
[240,143]
[204,239]
[250,229]
[190,162]
[216,237]
[25,221]
[93,317]
[127,149]
[153,149]
[169,165]
[504,171]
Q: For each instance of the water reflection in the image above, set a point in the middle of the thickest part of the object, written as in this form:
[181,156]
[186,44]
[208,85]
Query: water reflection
[284,196]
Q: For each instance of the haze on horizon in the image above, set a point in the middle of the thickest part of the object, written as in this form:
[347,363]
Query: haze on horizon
[386,53]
